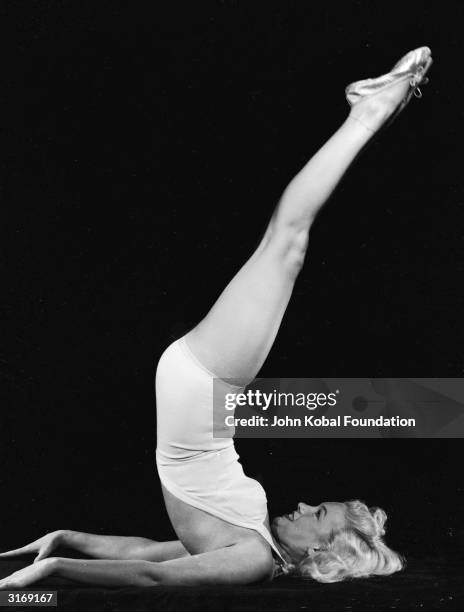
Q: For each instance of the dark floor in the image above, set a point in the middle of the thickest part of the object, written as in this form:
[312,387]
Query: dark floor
[427,584]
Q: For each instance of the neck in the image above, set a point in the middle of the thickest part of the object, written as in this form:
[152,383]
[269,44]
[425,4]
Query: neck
[284,551]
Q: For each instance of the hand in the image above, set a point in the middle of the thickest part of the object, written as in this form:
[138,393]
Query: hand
[28,575]
[43,546]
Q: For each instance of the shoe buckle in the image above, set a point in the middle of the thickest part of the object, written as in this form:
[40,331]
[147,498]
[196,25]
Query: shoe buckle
[415,81]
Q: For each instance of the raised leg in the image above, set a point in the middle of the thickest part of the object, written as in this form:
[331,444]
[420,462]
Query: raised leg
[235,337]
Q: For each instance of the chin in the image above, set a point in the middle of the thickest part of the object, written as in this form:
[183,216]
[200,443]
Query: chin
[275,521]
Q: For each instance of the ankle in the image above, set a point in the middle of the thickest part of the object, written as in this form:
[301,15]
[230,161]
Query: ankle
[371,115]
[360,124]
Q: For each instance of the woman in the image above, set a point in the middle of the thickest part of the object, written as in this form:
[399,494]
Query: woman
[220,515]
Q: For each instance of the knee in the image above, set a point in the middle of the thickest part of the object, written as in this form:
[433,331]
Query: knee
[297,249]
[291,247]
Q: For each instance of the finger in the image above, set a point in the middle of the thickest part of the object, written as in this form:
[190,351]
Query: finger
[8,582]
[11,584]
[18,551]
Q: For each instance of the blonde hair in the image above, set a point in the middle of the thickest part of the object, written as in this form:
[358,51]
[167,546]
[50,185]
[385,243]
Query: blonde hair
[356,551]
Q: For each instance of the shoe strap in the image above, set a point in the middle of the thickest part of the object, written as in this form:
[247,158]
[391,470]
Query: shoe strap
[417,80]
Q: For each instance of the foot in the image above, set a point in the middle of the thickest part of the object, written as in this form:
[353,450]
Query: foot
[374,110]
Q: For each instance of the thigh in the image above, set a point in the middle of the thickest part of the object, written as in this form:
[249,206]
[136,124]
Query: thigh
[235,337]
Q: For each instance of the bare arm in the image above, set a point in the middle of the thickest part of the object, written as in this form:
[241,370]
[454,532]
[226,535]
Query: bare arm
[123,547]
[101,546]
[243,563]
[104,573]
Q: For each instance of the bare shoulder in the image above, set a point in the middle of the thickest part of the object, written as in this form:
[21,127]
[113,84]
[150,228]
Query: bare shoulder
[249,560]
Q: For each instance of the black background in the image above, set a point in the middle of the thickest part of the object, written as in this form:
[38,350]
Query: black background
[142,153]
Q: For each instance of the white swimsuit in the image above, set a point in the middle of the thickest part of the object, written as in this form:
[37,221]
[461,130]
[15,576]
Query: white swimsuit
[195,467]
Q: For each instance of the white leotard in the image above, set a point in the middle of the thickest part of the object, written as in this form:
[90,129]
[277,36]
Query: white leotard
[197,468]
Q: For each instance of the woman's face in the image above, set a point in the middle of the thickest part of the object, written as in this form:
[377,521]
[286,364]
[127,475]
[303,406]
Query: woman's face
[308,527]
